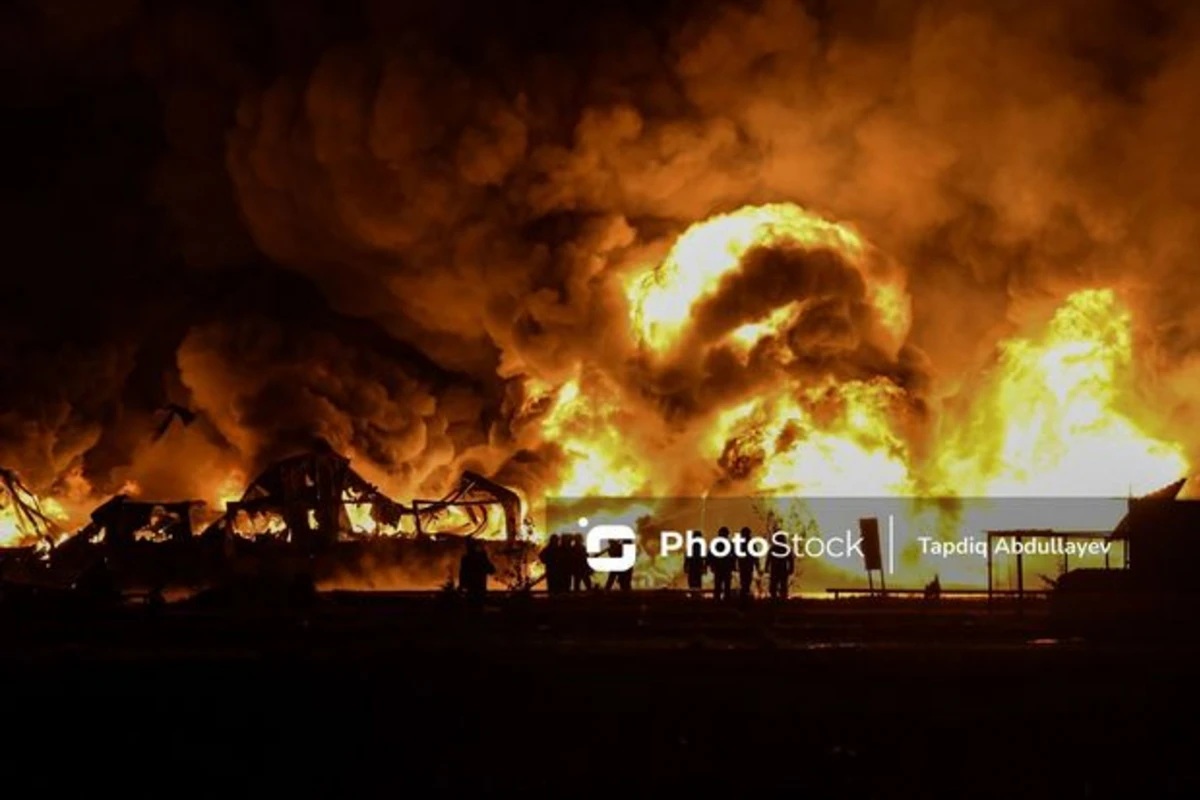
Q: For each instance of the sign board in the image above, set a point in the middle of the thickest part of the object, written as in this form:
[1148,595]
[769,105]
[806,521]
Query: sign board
[869,528]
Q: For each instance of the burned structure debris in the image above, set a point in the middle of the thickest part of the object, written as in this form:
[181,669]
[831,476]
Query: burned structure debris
[315,499]
[308,514]
[306,499]
[122,521]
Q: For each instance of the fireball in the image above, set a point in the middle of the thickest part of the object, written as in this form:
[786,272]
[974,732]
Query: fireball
[662,298]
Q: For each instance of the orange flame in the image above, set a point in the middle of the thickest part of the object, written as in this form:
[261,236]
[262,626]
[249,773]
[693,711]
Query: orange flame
[662,298]
[1049,420]
[18,529]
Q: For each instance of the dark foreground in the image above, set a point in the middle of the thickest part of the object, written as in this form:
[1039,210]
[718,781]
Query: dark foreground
[620,696]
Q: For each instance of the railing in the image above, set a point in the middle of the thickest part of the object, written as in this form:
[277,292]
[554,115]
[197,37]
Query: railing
[838,592]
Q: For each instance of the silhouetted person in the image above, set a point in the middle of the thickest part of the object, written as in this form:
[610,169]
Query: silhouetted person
[722,567]
[694,568]
[614,550]
[933,589]
[781,563]
[624,580]
[581,572]
[556,559]
[747,565]
[473,572]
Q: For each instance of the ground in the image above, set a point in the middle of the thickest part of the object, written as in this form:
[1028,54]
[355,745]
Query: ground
[387,694]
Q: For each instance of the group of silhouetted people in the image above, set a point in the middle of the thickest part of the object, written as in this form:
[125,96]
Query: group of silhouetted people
[778,566]
[565,559]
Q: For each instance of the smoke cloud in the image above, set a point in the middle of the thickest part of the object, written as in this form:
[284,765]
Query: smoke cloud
[385,228]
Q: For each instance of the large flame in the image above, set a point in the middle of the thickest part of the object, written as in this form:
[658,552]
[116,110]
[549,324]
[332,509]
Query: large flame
[662,298]
[833,441]
[1049,419]
[587,426]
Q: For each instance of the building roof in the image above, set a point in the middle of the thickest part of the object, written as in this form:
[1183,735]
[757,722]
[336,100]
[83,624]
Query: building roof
[1159,509]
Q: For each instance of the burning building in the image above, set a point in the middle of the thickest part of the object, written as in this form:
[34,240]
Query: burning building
[310,512]
[311,500]
[315,499]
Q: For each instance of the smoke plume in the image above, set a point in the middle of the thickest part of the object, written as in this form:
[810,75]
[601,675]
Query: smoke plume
[388,229]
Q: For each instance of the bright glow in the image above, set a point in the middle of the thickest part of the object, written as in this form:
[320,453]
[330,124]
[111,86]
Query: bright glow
[1050,421]
[662,298]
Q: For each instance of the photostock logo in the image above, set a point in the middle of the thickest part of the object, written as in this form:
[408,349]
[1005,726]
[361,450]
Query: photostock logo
[598,541]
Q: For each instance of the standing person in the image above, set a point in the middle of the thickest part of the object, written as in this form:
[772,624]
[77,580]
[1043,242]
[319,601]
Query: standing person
[747,566]
[581,571]
[781,563]
[473,572]
[625,579]
[694,568]
[614,551]
[554,558]
[722,568]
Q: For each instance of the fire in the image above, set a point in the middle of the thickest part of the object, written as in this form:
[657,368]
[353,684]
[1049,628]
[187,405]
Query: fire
[25,518]
[662,298]
[587,420]
[1050,420]
[360,518]
[851,450]
[264,524]
[12,533]
[750,333]
[230,489]
[588,427]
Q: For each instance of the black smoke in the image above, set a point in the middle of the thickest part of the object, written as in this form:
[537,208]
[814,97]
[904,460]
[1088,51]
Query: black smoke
[373,222]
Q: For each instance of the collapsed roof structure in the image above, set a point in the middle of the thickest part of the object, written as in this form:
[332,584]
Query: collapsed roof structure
[311,514]
[123,520]
[315,498]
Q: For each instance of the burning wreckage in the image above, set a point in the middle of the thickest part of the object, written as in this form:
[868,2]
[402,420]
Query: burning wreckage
[310,515]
